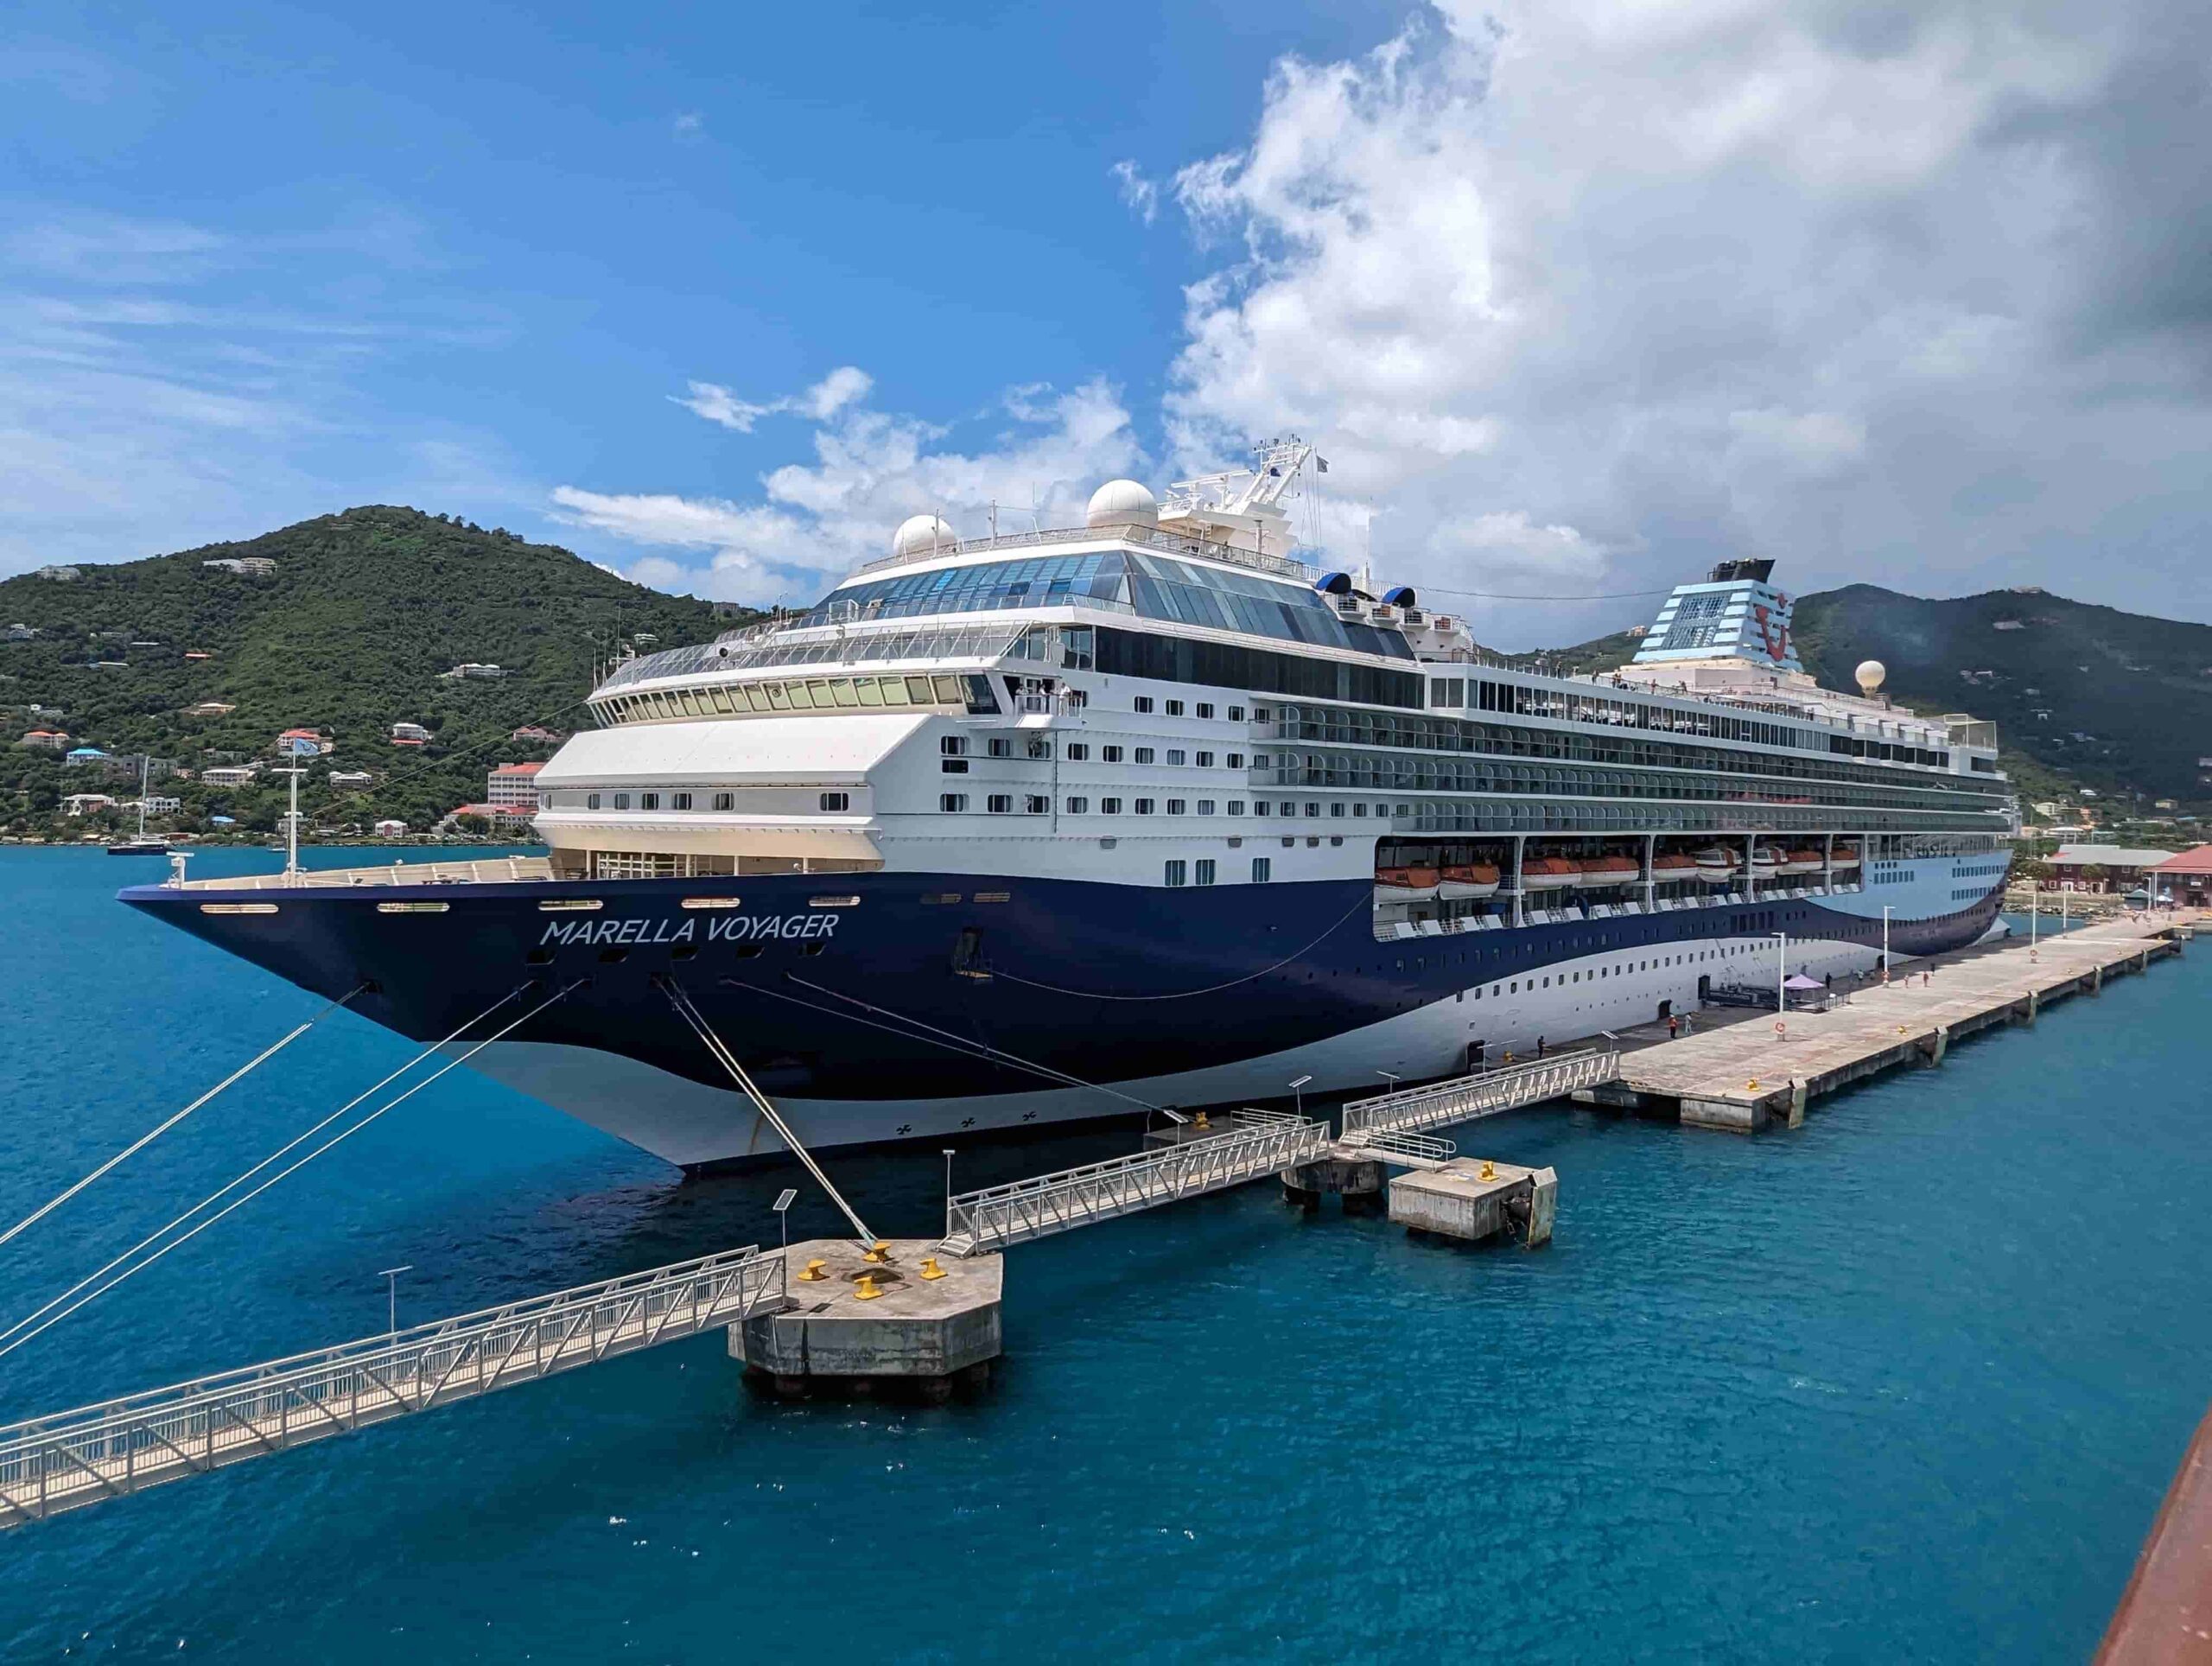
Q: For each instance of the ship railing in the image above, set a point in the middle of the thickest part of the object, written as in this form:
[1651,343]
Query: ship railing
[52,1464]
[490,870]
[1162,538]
[1509,1087]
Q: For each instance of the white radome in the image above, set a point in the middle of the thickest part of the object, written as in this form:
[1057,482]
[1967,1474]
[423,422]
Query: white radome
[919,534]
[1121,503]
[1870,675]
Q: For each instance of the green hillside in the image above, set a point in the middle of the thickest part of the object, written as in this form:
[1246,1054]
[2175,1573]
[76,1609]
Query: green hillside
[2082,695]
[365,610]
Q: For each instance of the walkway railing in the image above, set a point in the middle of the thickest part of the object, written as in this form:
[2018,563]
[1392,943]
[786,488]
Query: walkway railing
[1508,1088]
[105,1450]
[1001,1216]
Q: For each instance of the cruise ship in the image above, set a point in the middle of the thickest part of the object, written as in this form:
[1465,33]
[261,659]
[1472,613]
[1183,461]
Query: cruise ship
[1146,814]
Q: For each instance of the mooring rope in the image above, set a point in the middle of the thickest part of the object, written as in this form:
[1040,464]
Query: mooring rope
[155,1236]
[691,1015]
[336,1139]
[952,1042]
[145,1140]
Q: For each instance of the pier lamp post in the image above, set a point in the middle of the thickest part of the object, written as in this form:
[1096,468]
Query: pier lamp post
[1780,973]
[1392,1077]
[1297,1089]
[1885,942]
[390,1277]
[784,1200]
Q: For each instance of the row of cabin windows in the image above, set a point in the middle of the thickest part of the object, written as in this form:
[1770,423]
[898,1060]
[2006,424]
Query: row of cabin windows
[1727,951]
[960,690]
[831,801]
[1202,872]
[1204,708]
[1079,752]
[997,746]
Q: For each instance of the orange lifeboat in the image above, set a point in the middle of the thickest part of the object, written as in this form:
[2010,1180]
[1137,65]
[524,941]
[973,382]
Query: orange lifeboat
[1608,870]
[1464,880]
[1549,873]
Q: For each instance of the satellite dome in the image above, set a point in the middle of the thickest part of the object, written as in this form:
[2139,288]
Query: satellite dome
[1870,675]
[1121,503]
[919,534]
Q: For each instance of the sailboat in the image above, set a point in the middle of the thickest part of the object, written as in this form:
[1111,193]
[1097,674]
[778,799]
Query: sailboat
[143,844]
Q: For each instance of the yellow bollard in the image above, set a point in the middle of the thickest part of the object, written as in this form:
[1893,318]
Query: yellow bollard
[1752,1086]
[814,1275]
[865,1289]
[880,1255]
[930,1268]
[1490,1170]
[1199,1121]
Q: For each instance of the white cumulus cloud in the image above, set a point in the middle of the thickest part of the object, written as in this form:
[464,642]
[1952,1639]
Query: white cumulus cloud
[870,469]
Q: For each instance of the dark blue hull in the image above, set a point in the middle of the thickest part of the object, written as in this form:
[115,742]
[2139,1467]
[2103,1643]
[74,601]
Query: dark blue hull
[889,1000]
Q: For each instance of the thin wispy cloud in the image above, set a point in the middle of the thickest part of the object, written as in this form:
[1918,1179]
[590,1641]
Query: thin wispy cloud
[1139,195]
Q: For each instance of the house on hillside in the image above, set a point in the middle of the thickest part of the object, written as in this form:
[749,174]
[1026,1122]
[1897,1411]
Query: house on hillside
[156,804]
[197,654]
[46,739]
[409,734]
[302,743]
[513,786]
[210,708]
[59,574]
[352,778]
[19,633]
[83,804]
[230,774]
[470,668]
[531,734]
[80,757]
[391,828]
[244,566]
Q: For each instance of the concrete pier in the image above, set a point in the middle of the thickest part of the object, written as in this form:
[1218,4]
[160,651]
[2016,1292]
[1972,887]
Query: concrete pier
[1357,1179]
[1472,1200]
[914,1321]
[1746,1075]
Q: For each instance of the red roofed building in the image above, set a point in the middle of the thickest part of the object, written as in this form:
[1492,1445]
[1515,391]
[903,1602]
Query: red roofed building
[513,786]
[500,816]
[2185,878]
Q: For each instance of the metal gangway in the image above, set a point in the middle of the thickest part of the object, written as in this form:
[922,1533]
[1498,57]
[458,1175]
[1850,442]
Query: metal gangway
[1373,1122]
[999,1217]
[77,1458]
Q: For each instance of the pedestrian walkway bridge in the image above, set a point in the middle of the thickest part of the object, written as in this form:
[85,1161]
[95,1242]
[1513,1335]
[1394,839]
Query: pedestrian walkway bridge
[1256,1145]
[81,1457]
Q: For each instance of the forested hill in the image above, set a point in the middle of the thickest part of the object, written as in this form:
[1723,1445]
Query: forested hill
[2082,695]
[352,634]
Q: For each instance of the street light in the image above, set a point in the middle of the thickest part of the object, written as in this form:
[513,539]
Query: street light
[391,1276]
[782,1202]
[1295,1088]
[1781,972]
[1392,1077]
[1885,942]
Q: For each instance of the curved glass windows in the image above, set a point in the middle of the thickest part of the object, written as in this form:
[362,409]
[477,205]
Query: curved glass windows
[1148,586]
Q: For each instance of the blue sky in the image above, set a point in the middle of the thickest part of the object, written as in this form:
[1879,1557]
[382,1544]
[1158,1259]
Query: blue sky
[713,294]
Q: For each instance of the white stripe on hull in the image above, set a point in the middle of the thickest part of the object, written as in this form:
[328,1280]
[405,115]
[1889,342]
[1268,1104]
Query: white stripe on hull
[689,1123]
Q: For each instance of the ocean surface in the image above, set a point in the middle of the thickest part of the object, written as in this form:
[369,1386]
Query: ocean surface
[1905,1384]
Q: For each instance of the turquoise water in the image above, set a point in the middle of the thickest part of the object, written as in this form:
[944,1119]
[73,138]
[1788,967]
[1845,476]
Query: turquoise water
[1906,1383]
